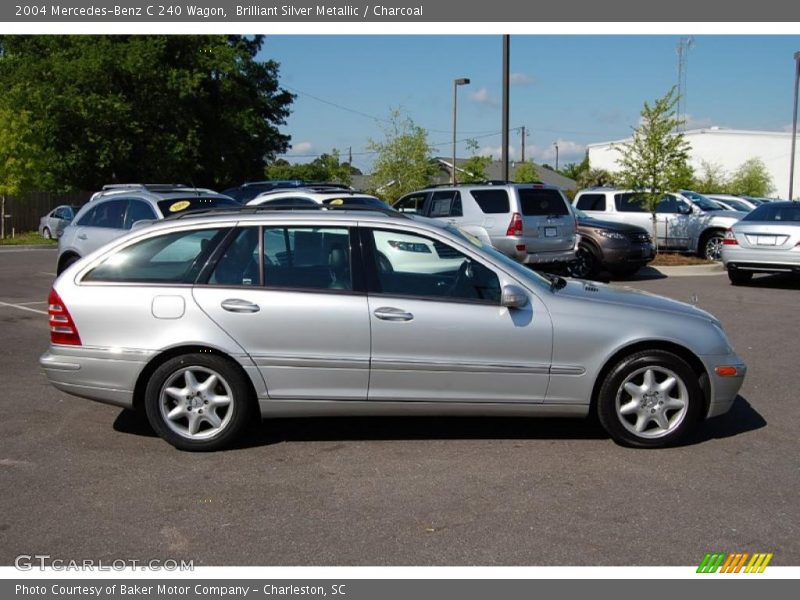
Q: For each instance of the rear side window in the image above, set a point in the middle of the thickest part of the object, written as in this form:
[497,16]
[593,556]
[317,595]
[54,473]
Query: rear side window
[316,258]
[171,258]
[629,203]
[492,202]
[446,204]
[777,214]
[592,202]
[138,211]
[110,214]
[542,202]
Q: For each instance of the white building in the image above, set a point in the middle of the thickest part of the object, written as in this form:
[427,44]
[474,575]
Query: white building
[728,148]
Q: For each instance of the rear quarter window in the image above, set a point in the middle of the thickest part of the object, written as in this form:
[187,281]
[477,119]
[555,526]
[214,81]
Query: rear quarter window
[542,202]
[170,258]
[591,202]
[492,202]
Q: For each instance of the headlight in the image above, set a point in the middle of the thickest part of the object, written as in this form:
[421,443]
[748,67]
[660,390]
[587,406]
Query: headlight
[613,235]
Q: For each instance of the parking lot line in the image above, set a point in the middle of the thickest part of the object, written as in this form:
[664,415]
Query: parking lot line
[29,303]
[20,307]
[46,273]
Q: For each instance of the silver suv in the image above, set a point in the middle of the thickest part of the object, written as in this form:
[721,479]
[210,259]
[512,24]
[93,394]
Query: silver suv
[209,322]
[114,210]
[531,223]
[315,195]
[683,224]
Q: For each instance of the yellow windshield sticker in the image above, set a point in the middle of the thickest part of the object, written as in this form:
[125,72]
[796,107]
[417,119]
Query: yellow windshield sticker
[179,206]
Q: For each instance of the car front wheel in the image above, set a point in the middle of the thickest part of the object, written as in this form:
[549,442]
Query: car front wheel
[650,399]
[198,402]
[585,264]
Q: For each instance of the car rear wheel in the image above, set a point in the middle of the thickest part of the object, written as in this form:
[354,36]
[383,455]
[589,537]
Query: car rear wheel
[198,402]
[67,263]
[739,277]
[585,263]
[46,233]
[650,399]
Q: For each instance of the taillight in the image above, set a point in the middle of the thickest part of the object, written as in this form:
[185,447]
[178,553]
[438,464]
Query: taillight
[729,239]
[515,227]
[62,327]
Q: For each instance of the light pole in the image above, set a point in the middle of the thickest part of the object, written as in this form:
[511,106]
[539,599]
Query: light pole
[794,123]
[456,83]
[556,145]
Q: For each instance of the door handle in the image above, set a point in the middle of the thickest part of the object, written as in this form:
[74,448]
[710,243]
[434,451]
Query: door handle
[81,236]
[236,305]
[389,313]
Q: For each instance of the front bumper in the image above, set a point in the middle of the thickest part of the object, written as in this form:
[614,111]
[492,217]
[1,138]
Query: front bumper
[104,375]
[632,254]
[723,389]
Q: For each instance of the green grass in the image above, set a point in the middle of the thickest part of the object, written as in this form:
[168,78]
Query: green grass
[26,239]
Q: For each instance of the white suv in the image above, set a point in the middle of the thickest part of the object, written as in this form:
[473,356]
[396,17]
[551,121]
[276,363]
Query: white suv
[682,224]
[531,223]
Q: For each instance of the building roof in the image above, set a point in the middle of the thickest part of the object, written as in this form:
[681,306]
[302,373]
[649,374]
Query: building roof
[707,131]
[494,171]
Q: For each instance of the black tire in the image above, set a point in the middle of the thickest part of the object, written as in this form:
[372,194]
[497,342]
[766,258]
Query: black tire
[67,263]
[240,406]
[585,264]
[739,277]
[46,233]
[681,421]
[711,246]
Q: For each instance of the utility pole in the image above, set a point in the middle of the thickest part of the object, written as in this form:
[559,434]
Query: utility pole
[506,57]
[456,83]
[522,144]
[794,124]
[350,155]
[556,145]
[684,46]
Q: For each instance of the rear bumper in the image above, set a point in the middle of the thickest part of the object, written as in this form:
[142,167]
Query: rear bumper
[542,258]
[767,261]
[104,375]
[524,251]
[723,389]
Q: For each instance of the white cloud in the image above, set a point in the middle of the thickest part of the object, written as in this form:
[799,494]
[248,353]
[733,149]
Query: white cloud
[482,96]
[301,148]
[495,152]
[697,122]
[521,79]
[568,151]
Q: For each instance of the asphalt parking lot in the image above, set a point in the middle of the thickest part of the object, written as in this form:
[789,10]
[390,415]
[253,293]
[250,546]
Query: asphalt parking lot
[82,480]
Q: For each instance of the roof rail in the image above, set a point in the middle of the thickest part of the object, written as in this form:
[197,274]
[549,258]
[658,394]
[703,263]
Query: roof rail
[486,182]
[249,210]
[275,182]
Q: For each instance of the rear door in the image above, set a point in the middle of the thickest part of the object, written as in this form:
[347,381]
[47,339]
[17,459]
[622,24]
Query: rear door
[293,298]
[103,223]
[547,223]
[446,205]
[630,209]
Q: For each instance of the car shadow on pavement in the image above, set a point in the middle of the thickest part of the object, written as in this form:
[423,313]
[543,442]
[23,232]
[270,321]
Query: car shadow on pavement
[782,281]
[740,419]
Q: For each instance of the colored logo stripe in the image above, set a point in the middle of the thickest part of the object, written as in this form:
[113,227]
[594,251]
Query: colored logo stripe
[734,562]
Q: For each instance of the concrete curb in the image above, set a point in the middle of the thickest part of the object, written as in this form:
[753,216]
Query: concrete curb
[20,248]
[687,271]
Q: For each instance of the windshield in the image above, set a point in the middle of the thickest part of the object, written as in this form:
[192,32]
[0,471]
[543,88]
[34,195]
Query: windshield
[518,269]
[701,202]
[192,203]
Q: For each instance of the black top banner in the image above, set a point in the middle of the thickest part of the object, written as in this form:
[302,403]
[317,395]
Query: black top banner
[300,11]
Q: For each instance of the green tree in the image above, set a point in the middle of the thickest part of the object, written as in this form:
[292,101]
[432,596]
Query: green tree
[751,179]
[403,158]
[526,173]
[655,161]
[21,158]
[575,170]
[191,108]
[711,179]
[326,167]
[594,178]
[473,170]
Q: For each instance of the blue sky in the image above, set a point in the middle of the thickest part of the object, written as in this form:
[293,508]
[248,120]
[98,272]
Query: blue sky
[572,90]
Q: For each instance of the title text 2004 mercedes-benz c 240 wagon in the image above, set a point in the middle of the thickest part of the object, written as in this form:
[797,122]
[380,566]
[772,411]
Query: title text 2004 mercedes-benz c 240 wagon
[207,322]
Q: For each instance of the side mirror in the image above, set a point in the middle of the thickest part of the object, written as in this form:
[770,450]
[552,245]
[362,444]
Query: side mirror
[513,297]
[684,209]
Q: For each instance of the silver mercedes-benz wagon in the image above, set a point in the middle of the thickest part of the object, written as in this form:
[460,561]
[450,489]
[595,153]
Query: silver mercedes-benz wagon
[208,321]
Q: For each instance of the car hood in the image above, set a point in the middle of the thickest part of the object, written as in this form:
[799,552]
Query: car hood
[631,298]
[610,226]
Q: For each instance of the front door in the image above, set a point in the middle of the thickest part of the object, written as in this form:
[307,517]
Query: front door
[287,296]
[438,331]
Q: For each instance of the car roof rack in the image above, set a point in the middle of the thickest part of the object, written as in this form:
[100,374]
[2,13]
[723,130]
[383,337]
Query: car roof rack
[250,210]
[485,182]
